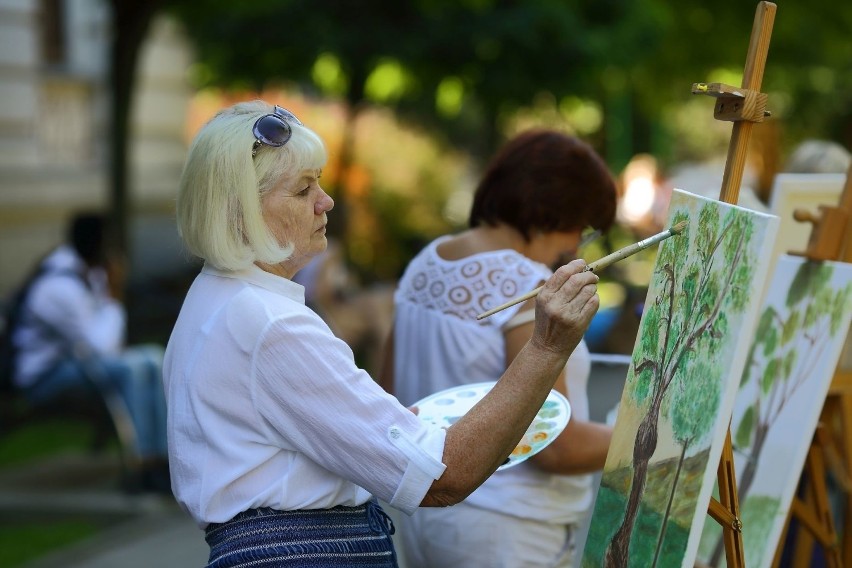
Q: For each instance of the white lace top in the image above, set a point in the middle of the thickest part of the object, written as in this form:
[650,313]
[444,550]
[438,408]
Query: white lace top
[439,344]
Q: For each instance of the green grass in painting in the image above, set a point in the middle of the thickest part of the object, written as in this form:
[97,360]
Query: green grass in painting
[24,542]
[609,512]
[758,513]
[610,507]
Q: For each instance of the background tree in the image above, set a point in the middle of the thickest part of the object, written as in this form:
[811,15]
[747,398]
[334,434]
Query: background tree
[131,20]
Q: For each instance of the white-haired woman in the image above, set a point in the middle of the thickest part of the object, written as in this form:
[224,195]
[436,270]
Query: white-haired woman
[279,444]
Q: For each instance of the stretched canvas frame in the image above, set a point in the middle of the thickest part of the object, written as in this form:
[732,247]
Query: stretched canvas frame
[680,388]
[800,332]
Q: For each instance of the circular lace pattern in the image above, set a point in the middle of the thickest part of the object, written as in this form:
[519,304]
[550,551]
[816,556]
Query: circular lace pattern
[467,287]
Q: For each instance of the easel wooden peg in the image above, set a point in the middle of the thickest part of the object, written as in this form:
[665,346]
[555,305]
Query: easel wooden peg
[734,104]
[831,228]
[743,106]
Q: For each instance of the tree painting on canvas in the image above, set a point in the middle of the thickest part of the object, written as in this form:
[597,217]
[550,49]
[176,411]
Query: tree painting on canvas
[793,355]
[680,386]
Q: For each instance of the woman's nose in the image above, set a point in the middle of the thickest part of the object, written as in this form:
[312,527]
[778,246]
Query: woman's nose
[324,203]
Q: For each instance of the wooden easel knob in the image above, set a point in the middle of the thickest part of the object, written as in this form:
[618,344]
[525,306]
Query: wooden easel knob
[826,242]
[734,104]
[805,216]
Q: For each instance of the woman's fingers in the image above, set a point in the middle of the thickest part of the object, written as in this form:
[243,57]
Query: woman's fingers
[570,283]
[567,303]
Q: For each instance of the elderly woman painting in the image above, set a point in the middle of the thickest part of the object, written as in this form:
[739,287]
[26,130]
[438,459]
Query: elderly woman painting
[279,445]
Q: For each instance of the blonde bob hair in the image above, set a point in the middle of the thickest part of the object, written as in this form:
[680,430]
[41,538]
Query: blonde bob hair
[219,209]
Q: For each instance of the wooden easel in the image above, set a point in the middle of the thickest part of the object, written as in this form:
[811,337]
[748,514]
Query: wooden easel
[743,106]
[832,442]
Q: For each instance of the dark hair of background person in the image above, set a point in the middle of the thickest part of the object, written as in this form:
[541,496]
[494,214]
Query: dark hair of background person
[546,181]
[87,234]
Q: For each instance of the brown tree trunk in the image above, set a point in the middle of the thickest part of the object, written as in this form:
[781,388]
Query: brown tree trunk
[644,447]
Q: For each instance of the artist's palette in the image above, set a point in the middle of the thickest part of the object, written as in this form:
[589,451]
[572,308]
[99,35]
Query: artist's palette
[445,408]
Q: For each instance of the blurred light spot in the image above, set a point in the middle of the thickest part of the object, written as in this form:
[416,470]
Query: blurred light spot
[585,116]
[387,82]
[328,75]
[448,97]
[639,188]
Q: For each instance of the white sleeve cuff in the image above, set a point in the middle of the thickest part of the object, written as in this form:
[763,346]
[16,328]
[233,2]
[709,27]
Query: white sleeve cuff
[423,468]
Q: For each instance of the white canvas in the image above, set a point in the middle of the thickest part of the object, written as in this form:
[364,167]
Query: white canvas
[680,388]
[800,332]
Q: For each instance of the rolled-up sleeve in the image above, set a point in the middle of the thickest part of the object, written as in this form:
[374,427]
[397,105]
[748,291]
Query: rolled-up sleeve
[423,467]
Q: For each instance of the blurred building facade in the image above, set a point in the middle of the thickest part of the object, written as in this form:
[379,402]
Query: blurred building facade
[54,112]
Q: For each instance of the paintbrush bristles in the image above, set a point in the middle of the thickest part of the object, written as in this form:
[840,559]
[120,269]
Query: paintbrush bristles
[678,228]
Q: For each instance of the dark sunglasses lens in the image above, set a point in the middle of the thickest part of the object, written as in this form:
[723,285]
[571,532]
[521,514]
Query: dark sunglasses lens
[272,130]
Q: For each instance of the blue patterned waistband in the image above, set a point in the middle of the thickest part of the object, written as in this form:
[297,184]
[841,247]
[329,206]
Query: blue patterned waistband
[340,536]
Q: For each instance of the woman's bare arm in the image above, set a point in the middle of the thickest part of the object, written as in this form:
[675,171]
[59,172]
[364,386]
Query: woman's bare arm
[582,447]
[481,440]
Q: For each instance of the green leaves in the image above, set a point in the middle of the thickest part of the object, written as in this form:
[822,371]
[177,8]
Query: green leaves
[742,437]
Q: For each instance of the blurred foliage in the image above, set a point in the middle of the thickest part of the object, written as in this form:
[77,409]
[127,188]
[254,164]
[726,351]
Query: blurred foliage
[468,65]
[460,76]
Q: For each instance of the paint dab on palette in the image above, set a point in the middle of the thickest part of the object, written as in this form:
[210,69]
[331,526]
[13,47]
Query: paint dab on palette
[445,408]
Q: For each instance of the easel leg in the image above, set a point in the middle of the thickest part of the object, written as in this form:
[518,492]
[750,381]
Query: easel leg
[812,511]
[845,419]
[726,511]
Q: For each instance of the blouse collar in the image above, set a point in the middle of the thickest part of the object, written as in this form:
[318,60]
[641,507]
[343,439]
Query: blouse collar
[258,277]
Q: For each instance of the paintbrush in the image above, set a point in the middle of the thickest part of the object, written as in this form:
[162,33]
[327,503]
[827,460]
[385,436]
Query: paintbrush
[620,254]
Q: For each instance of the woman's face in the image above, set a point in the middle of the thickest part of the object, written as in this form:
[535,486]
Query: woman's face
[295,212]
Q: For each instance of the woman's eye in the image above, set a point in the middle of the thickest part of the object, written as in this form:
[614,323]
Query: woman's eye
[304,192]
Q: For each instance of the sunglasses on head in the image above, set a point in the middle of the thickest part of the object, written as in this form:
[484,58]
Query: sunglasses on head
[273,129]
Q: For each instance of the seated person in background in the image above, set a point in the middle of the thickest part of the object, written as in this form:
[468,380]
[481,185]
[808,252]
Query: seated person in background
[536,196]
[70,336]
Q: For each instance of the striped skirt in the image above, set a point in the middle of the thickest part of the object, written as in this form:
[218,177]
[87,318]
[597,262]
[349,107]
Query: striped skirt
[315,538]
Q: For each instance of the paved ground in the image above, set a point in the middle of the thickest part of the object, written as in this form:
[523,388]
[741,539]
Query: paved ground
[141,530]
[148,530]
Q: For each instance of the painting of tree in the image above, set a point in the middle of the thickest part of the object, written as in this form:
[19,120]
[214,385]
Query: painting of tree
[679,393]
[802,327]
[692,413]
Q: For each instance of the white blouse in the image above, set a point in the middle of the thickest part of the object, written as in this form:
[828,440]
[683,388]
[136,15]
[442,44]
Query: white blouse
[266,408]
[439,344]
